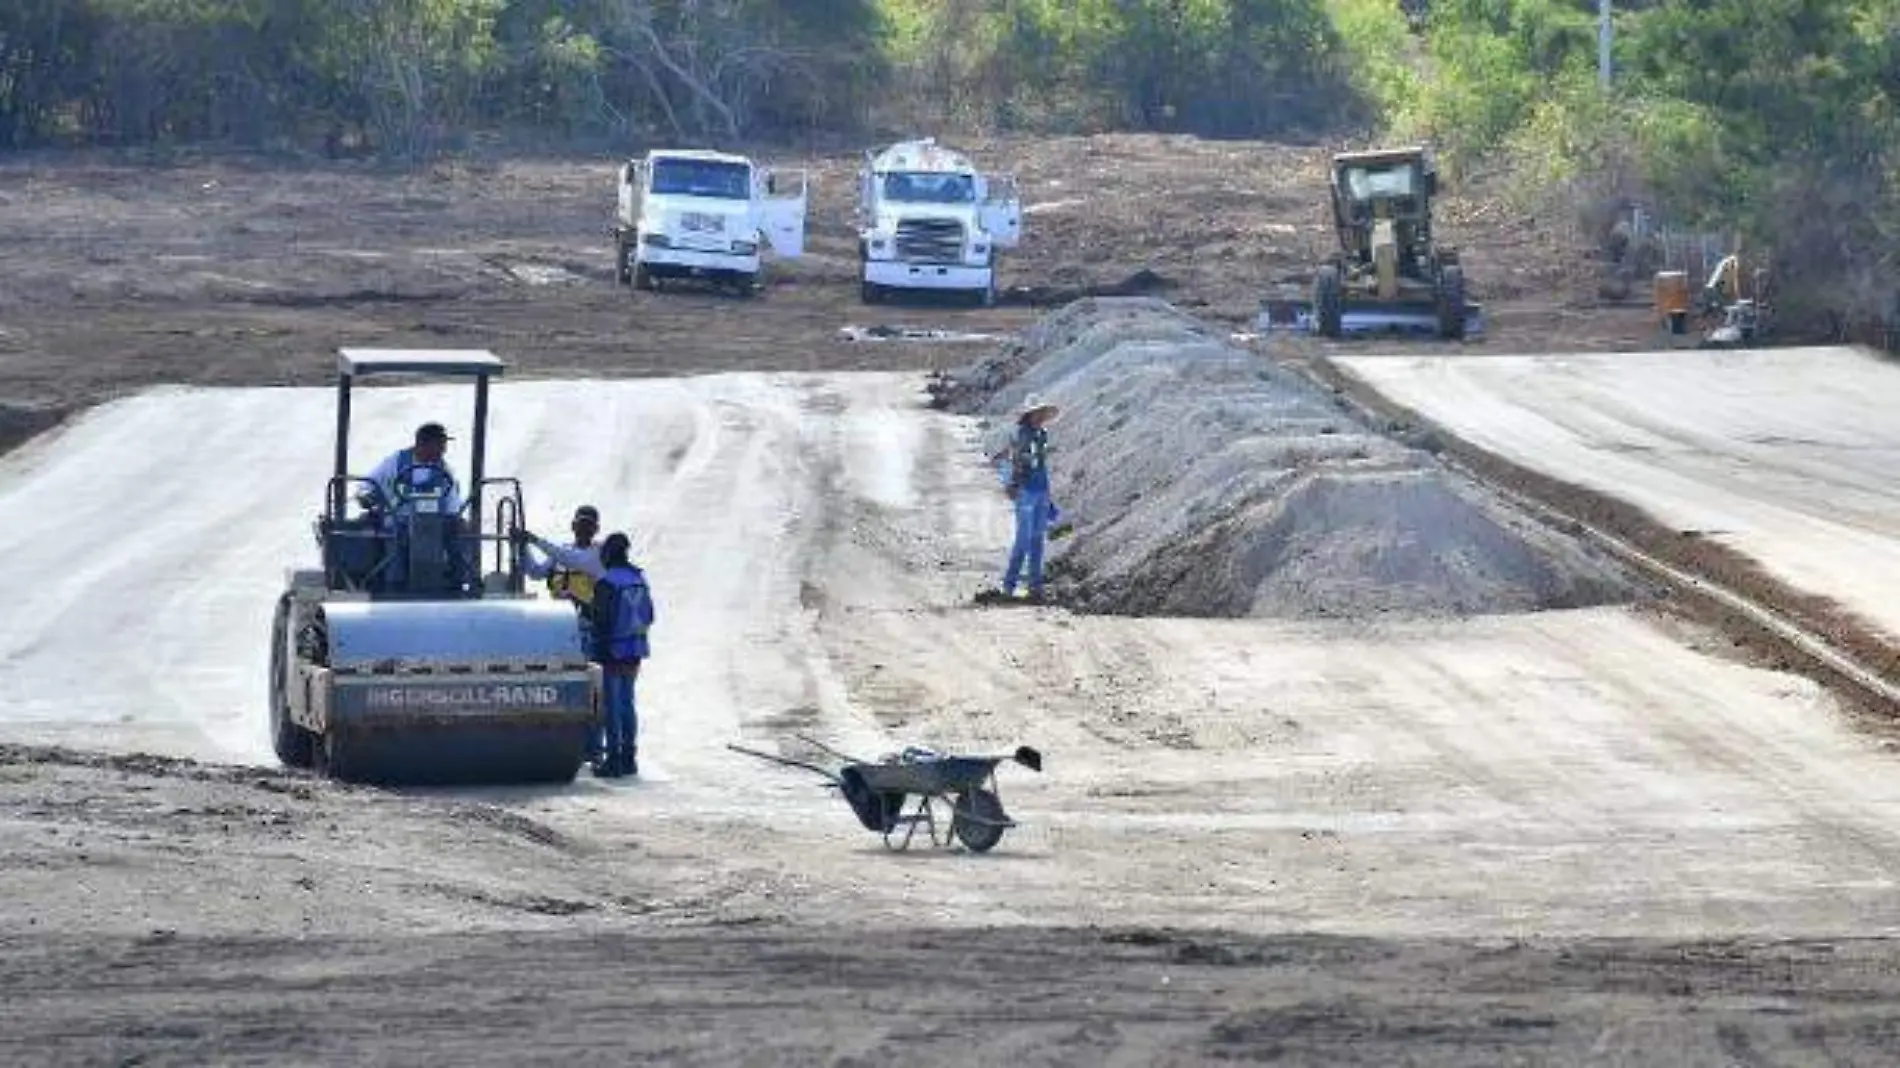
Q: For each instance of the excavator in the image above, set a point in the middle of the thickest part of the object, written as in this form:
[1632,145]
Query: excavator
[398,659]
[1732,314]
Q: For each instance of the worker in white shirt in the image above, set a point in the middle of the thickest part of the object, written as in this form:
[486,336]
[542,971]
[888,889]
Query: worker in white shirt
[623,614]
[570,583]
[573,580]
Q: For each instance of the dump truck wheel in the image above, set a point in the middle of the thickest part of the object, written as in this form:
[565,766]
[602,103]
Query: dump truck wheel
[1329,300]
[871,292]
[986,297]
[296,747]
[1451,304]
[980,834]
[642,279]
[622,273]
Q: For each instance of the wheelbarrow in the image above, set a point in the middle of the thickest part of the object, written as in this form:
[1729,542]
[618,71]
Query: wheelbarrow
[881,793]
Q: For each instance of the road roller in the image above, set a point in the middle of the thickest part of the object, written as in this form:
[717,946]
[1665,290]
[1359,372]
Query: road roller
[415,653]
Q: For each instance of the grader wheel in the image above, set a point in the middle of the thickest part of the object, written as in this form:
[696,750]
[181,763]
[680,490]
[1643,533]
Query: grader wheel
[1329,301]
[1451,303]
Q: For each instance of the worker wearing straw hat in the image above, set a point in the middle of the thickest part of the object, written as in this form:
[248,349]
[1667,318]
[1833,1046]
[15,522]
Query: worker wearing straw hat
[1029,489]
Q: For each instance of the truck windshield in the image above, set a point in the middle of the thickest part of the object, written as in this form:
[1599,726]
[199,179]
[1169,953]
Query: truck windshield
[702,178]
[1366,183]
[929,188]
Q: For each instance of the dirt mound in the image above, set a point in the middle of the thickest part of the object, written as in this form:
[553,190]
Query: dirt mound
[18,423]
[1205,481]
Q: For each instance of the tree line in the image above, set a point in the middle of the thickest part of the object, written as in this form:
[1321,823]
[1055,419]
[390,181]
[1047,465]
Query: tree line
[1776,119]
[411,76]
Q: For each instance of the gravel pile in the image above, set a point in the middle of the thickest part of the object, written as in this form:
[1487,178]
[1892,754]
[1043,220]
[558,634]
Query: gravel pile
[1205,481]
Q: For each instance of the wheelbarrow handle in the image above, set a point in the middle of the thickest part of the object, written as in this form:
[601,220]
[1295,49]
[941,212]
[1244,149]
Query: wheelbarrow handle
[816,744]
[788,761]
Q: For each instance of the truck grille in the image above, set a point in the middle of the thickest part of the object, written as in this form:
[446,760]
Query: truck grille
[930,240]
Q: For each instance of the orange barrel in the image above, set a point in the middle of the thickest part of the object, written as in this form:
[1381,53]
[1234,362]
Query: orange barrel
[1672,299]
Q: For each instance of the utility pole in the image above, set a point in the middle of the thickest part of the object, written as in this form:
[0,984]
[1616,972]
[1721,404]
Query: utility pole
[1603,44]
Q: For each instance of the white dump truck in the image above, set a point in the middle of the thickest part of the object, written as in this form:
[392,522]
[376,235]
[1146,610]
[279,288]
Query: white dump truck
[689,213]
[928,219]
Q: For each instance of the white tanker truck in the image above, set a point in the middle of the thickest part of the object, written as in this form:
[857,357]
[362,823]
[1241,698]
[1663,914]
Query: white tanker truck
[928,219]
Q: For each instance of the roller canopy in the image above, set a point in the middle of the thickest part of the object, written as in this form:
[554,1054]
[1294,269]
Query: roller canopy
[370,635]
[359,362]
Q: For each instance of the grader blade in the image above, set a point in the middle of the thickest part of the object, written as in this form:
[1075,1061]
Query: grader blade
[1296,315]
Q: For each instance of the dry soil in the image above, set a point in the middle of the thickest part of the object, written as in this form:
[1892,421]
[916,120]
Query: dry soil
[1568,836]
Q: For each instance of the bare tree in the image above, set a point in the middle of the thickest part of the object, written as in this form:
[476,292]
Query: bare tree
[706,62]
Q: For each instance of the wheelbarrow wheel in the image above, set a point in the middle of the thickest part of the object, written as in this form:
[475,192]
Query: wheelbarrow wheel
[977,820]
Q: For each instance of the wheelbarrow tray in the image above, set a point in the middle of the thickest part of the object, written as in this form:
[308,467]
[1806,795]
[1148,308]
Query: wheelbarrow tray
[945,775]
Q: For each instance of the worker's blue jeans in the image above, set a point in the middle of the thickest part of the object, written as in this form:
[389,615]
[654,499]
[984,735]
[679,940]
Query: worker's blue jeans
[1032,531]
[623,723]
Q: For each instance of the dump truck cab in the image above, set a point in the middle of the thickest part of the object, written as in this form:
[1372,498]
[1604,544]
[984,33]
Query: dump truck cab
[414,652]
[697,213]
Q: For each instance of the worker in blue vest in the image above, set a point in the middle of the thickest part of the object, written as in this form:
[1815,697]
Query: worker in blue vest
[1028,489]
[413,480]
[622,615]
[418,470]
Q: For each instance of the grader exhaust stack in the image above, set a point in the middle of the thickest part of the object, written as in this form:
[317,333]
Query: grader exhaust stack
[399,659]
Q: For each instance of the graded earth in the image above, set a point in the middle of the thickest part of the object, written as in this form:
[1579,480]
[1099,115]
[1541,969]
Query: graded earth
[1344,828]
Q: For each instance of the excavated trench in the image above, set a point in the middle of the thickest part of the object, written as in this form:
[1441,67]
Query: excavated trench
[1203,480]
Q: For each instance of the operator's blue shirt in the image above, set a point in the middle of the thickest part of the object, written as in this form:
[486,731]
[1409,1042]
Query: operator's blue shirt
[420,480]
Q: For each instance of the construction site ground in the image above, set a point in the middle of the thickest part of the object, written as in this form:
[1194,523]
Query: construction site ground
[1785,455]
[1579,835]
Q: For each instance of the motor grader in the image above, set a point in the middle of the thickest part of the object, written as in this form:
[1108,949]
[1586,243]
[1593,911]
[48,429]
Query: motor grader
[398,659]
[1390,271]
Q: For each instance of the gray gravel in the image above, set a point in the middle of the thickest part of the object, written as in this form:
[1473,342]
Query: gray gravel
[1204,480]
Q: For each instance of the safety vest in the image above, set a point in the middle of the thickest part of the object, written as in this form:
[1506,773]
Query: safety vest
[402,486]
[621,624]
[1029,459]
[573,585]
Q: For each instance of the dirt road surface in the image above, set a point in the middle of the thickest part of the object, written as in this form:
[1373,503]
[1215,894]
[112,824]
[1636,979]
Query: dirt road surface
[1785,455]
[1372,842]
[1587,837]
